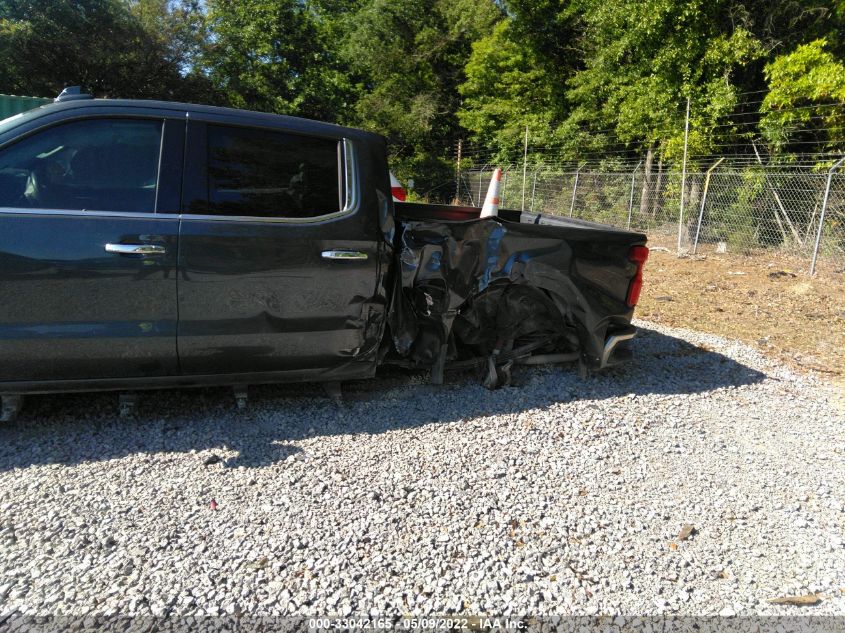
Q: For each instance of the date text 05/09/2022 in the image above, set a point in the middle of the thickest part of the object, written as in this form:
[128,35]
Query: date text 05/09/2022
[486,624]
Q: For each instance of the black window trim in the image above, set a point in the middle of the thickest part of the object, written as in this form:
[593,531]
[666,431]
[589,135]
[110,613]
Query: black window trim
[347,171]
[88,116]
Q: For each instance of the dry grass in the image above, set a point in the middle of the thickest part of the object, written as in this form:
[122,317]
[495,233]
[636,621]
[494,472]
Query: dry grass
[757,299]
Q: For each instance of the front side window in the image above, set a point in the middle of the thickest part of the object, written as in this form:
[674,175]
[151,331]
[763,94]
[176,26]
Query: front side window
[86,165]
[264,173]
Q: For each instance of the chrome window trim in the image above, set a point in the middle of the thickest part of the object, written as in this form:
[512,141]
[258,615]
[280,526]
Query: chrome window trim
[350,175]
[172,216]
[87,214]
[257,219]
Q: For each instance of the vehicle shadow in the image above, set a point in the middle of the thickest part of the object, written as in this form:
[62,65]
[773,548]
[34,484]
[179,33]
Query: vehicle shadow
[76,428]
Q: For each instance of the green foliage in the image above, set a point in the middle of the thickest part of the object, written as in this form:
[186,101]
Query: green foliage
[551,28]
[802,85]
[273,55]
[507,89]
[408,58]
[590,79]
[111,47]
[645,58]
[619,73]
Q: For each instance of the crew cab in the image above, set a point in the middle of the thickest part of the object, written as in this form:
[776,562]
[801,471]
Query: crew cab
[150,244]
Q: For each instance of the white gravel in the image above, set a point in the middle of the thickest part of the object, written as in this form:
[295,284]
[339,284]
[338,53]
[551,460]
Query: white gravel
[555,496]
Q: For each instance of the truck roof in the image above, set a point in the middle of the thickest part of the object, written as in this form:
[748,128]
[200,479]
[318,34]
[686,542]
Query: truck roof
[290,122]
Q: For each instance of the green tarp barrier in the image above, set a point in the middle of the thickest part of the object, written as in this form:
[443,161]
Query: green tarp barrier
[10,104]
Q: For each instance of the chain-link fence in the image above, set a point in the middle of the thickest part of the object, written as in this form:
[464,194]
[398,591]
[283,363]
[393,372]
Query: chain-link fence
[735,208]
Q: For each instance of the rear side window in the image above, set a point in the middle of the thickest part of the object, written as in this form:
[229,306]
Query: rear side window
[86,165]
[264,173]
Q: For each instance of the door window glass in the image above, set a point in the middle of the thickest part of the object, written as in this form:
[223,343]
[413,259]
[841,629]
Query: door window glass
[86,165]
[264,173]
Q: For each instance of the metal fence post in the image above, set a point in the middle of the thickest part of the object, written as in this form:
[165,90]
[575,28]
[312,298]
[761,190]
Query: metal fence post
[533,189]
[683,180]
[821,215]
[574,191]
[504,188]
[703,202]
[631,198]
[524,167]
[458,170]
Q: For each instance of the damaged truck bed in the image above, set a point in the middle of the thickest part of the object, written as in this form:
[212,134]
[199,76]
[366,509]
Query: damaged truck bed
[153,244]
[521,287]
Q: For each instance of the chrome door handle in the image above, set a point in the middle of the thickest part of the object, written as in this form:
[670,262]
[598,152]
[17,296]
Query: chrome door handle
[343,255]
[136,249]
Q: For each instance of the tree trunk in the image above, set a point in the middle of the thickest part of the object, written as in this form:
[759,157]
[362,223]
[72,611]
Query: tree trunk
[657,198]
[693,202]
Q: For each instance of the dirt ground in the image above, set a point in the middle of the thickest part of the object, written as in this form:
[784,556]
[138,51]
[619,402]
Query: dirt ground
[759,299]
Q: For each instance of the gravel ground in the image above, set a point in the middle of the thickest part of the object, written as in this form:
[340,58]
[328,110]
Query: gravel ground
[553,496]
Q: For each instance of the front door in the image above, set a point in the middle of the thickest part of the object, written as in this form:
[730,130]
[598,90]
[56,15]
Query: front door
[278,263]
[87,267]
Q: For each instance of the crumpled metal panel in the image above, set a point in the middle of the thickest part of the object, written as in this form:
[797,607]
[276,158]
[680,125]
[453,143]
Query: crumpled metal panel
[446,266]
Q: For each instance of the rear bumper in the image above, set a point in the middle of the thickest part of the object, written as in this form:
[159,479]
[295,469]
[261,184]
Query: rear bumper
[612,345]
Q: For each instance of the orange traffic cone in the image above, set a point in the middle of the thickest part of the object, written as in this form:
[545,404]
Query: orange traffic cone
[491,202]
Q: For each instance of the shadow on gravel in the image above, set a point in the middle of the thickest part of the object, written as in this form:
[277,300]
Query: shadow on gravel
[78,428]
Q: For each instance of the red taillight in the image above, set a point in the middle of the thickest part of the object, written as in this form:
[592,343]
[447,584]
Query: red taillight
[398,193]
[638,255]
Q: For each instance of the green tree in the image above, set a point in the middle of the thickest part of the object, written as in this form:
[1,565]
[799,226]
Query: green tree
[111,47]
[612,78]
[275,56]
[643,59]
[408,59]
[804,102]
[508,88]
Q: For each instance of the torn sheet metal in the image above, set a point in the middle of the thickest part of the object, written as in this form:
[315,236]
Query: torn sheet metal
[473,283]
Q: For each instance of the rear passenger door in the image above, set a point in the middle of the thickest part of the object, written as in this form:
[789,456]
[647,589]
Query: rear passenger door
[87,262]
[278,262]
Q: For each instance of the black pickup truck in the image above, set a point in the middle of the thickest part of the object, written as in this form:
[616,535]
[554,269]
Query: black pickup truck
[148,244]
